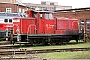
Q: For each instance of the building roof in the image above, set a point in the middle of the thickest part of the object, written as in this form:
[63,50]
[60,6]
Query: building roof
[88,8]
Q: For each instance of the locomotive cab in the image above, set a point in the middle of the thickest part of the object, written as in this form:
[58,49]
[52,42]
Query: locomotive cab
[45,23]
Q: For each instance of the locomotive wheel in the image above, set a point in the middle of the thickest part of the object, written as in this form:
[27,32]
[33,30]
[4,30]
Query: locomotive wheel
[43,42]
[76,40]
[35,42]
[11,39]
[51,41]
[31,41]
[68,40]
[58,41]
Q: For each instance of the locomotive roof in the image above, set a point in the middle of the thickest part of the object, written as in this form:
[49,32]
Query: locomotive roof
[5,14]
[46,11]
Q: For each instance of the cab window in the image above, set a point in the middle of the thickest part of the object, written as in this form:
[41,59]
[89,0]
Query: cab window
[35,15]
[48,16]
[41,16]
[5,20]
[10,20]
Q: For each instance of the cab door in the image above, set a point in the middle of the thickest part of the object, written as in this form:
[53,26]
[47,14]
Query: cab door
[41,23]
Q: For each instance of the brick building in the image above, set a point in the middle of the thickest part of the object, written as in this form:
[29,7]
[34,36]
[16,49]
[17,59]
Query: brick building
[47,5]
[12,6]
[82,14]
[11,1]
[17,6]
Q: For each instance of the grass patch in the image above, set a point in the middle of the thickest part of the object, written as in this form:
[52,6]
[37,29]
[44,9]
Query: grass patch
[22,45]
[2,39]
[70,45]
[63,55]
[67,55]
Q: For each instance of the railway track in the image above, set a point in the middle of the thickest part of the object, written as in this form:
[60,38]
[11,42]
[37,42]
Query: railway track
[8,47]
[23,51]
[4,42]
[15,52]
[11,50]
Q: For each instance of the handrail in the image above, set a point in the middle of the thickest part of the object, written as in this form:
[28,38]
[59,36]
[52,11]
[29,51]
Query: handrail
[31,28]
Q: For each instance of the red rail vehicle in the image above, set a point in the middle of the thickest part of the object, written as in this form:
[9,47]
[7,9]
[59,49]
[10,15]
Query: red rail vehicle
[6,22]
[40,27]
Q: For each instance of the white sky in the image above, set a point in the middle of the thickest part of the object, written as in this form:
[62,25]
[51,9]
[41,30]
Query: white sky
[73,3]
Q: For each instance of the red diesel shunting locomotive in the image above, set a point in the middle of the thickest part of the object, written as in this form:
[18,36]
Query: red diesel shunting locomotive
[40,27]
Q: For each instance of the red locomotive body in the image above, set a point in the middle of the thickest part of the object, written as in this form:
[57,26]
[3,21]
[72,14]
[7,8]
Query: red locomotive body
[67,26]
[41,28]
[24,25]
[5,24]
